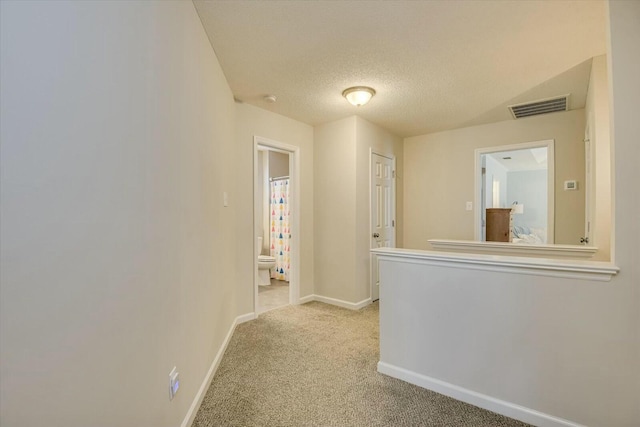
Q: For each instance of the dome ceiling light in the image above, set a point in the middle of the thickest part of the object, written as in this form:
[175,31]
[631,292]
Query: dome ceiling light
[358,95]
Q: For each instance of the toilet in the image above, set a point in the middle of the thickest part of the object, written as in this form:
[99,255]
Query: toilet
[265,264]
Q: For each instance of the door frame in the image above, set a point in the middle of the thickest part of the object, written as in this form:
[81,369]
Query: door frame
[550,145]
[589,187]
[373,257]
[294,209]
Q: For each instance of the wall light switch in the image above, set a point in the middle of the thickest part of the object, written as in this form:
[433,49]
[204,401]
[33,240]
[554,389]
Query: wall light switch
[469,206]
[225,199]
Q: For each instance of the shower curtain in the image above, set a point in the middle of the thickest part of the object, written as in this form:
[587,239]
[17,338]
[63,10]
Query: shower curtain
[280,231]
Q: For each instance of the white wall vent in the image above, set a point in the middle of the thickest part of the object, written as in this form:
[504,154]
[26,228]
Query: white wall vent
[543,106]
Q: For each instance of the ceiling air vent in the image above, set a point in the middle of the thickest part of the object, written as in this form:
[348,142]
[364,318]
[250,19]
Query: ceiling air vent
[543,106]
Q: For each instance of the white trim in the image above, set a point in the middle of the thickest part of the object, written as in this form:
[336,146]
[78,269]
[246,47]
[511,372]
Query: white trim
[306,299]
[245,318]
[335,301]
[342,303]
[202,391]
[477,183]
[576,269]
[505,248]
[294,174]
[484,401]
[372,258]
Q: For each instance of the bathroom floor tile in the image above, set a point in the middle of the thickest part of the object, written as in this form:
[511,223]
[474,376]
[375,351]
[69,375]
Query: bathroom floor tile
[273,296]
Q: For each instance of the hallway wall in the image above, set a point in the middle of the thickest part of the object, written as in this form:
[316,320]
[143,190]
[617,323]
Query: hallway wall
[117,144]
[342,227]
[623,343]
[334,154]
[251,121]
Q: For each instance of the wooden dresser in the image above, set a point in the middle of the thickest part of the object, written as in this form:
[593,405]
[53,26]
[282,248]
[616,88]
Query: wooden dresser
[499,225]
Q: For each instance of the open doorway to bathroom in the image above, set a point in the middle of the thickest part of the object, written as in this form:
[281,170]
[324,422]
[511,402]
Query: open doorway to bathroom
[275,225]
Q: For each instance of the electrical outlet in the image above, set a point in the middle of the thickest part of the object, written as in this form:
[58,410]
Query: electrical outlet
[174,382]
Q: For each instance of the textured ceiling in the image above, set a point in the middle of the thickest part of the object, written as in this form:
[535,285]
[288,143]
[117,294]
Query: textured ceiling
[522,160]
[435,65]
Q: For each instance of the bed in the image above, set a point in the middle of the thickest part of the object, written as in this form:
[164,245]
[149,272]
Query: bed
[529,235]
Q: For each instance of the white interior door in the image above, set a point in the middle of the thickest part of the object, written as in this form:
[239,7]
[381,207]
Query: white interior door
[382,212]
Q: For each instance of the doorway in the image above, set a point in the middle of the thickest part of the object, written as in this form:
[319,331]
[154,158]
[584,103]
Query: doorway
[276,225]
[382,211]
[517,181]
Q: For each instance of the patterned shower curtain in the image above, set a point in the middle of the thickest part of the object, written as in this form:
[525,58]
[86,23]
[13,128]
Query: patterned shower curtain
[280,231]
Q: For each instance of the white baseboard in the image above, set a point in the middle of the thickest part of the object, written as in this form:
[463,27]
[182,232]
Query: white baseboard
[197,401]
[477,399]
[244,318]
[306,299]
[341,303]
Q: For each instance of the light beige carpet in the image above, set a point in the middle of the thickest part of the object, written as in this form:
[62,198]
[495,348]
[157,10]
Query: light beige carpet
[315,365]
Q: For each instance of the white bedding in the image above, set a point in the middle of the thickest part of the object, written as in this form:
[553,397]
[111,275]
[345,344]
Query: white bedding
[529,236]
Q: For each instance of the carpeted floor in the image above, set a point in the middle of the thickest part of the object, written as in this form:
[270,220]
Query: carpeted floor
[315,365]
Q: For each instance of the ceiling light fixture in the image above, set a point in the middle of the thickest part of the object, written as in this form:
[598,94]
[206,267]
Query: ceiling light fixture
[358,95]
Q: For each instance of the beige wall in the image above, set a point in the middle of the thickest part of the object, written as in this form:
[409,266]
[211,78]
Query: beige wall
[439,176]
[252,121]
[597,114]
[117,143]
[334,154]
[343,235]
[278,164]
[624,339]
